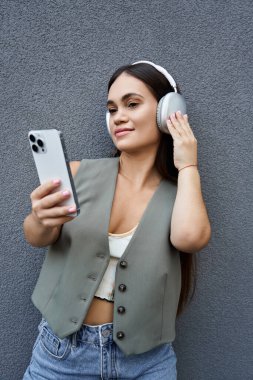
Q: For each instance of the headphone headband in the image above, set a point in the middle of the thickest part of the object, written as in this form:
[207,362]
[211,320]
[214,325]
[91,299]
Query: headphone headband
[163,71]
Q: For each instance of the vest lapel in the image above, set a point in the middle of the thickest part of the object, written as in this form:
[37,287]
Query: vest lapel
[107,185]
[151,214]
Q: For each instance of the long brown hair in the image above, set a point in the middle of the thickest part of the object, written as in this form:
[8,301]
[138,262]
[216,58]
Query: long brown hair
[159,86]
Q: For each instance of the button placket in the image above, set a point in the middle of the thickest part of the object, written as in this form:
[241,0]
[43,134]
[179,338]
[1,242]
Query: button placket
[122,288]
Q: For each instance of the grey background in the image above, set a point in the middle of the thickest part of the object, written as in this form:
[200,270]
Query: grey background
[56,58]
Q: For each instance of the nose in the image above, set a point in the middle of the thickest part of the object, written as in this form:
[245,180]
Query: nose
[119,117]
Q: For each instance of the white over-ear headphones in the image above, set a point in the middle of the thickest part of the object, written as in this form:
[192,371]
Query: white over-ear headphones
[168,104]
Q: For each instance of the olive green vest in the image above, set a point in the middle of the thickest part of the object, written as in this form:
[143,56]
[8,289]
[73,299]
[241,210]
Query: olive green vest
[148,275]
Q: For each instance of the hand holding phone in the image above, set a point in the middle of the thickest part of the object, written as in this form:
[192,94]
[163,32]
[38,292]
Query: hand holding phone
[47,205]
[51,161]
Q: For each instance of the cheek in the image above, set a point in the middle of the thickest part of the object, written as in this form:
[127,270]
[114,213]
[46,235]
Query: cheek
[148,116]
[150,122]
[148,130]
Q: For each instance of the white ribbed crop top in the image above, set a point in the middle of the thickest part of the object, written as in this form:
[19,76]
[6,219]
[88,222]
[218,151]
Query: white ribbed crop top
[117,245]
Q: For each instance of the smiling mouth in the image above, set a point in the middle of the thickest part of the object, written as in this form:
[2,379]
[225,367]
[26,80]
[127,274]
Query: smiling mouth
[123,132]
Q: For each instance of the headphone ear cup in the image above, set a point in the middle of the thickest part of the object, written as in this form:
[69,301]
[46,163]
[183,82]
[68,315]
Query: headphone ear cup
[170,103]
[107,117]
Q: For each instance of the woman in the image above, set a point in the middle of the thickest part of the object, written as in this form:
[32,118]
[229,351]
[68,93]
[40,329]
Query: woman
[109,309]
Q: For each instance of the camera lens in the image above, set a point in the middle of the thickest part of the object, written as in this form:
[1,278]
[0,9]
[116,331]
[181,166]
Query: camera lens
[35,148]
[32,138]
[40,143]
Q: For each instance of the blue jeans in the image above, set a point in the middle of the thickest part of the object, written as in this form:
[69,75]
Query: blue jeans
[91,353]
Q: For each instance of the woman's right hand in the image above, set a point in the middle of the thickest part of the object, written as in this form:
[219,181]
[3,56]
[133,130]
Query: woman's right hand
[43,225]
[46,205]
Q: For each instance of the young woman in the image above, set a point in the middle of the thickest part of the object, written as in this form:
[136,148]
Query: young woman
[115,277]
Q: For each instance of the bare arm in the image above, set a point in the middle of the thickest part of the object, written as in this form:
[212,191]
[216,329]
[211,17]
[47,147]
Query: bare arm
[190,226]
[43,225]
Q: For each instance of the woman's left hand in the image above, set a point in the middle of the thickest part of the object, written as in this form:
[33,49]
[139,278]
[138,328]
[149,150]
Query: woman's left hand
[184,141]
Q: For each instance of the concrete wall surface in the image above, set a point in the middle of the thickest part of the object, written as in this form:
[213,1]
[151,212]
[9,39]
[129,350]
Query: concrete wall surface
[56,58]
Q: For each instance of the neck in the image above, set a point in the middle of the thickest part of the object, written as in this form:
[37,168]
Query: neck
[140,171]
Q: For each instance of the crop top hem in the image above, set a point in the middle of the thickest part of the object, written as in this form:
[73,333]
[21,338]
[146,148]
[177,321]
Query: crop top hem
[124,233]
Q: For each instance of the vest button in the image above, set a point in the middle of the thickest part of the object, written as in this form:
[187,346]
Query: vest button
[123,264]
[120,335]
[121,309]
[74,320]
[122,287]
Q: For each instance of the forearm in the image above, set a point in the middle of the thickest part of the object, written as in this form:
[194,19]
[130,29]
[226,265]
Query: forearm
[190,226]
[37,234]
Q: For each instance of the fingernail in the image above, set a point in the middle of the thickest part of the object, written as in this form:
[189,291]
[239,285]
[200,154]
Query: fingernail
[72,209]
[56,181]
[179,112]
[172,115]
[65,193]
[169,122]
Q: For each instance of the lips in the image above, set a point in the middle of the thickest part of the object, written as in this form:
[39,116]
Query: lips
[122,131]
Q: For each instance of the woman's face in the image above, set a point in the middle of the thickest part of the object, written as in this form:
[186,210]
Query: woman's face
[132,108]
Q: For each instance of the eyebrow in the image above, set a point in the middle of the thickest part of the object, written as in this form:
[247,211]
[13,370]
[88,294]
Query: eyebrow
[124,97]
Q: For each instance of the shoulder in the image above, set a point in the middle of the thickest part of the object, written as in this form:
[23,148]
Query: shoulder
[92,163]
[74,166]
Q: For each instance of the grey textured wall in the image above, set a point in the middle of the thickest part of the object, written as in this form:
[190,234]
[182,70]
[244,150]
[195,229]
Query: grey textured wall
[56,58]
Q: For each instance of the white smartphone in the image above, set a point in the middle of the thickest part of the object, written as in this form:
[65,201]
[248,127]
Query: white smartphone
[50,156]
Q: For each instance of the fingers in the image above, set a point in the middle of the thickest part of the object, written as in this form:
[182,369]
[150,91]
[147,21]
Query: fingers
[186,124]
[54,199]
[173,131]
[42,195]
[178,125]
[54,212]
[56,222]
[45,189]
[46,204]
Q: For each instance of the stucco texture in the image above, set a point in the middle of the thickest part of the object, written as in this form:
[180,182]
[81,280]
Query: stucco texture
[56,58]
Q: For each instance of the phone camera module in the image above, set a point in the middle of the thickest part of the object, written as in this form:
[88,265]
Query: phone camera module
[32,138]
[35,148]
[40,143]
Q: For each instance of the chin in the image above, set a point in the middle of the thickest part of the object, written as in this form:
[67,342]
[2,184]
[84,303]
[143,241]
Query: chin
[126,147]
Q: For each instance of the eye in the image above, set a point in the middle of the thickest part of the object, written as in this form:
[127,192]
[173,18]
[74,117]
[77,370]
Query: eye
[111,110]
[132,104]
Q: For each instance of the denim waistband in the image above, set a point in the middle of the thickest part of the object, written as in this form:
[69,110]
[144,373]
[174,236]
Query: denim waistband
[97,334]
[93,334]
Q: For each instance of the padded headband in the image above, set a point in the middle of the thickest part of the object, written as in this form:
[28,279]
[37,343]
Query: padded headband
[163,71]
